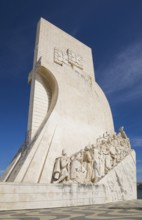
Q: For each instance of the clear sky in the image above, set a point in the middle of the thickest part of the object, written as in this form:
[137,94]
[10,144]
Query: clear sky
[112,28]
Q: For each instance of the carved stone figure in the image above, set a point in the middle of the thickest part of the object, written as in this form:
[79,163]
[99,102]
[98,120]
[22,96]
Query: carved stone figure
[114,140]
[99,140]
[112,151]
[122,132]
[102,162]
[96,164]
[77,171]
[106,136]
[87,163]
[61,168]
[107,159]
[91,164]
[124,136]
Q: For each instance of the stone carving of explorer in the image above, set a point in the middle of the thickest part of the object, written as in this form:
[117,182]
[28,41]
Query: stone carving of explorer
[61,168]
[87,162]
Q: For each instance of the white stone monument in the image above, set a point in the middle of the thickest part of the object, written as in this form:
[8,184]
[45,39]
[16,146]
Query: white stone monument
[72,155]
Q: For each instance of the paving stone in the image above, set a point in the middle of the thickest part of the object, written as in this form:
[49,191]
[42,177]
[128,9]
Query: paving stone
[131,210]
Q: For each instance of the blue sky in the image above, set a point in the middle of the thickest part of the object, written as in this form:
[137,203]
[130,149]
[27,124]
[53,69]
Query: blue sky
[112,28]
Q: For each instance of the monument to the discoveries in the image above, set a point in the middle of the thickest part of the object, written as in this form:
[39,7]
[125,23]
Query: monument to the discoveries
[72,155]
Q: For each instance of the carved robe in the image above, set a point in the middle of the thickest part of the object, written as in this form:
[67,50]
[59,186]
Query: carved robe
[87,162]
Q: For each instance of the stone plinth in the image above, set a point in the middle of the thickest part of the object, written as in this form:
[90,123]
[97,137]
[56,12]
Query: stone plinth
[119,184]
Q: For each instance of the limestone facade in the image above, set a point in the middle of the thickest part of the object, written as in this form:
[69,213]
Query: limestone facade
[68,109]
[118,185]
[68,114]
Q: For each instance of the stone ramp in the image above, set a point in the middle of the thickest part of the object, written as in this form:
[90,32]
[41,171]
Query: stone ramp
[120,182]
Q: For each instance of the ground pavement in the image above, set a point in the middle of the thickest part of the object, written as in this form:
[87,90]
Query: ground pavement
[120,210]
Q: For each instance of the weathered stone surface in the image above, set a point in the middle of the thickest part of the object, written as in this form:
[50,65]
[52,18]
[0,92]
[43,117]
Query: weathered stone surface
[119,184]
[68,110]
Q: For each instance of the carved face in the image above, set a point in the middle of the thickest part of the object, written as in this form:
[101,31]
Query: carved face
[87,148]
[63,152]
[114,136]
[102,142]
[92,146]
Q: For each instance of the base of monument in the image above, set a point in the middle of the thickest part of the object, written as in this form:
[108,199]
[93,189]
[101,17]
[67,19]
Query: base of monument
[31,196]
[119,184]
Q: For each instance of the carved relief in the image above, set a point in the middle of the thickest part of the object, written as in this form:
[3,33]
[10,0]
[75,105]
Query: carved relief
[67,57]
[93,162]
[74,59]
[77,170]
[60,56]
[61,168]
